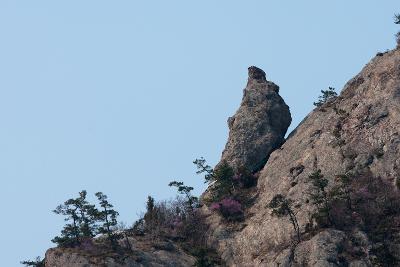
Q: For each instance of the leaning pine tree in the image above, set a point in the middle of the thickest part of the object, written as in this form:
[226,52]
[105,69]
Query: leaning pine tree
[192,202]
[282,207]
[221,177]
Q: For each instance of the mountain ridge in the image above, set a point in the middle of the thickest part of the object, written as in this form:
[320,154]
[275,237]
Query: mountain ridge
[355,134]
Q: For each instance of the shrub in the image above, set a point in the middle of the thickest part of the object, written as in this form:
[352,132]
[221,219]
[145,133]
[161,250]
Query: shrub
[361,202]
[397,18]
[375,199]
[36,263]
[229,208]
[206,257]
[397,21]
[224,180]
[320,198]
[138,227]
[173,219]
[158,218]
[281,207]
[221,176]
[326,96]
[88,245]
[85,221]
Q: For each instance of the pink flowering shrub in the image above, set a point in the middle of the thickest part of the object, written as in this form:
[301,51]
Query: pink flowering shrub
[370,204]
[229,208]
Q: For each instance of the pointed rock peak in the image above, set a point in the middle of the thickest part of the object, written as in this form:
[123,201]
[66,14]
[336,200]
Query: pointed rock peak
[258,126]
[256,74]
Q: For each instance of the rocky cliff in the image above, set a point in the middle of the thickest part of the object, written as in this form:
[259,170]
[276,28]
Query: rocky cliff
[355,135]
[143,252]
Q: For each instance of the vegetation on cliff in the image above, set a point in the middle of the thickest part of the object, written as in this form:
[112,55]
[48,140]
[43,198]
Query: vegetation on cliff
[349,185]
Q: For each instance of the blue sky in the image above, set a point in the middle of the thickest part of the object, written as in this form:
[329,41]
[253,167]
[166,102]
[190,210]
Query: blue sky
[121,96]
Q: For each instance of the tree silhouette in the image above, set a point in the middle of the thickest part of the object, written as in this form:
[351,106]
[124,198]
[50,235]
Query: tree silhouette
[326,96]
[36,263]
[108,217]
[81,217]
[397,18]
[192,202]
[221,177]
[203,167]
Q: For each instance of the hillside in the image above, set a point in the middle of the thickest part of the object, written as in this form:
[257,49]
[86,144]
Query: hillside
[351,141]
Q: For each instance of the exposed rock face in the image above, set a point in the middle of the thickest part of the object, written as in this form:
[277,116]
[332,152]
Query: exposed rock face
[259,125]
[144,253]
[358,131]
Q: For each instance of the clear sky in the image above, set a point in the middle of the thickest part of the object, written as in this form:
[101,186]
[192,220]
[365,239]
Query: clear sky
[122,96]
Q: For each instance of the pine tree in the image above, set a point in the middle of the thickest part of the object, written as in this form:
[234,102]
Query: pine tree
[108,217]
[87,215]
[202,167]
[326,96]
[342,190]
[150,210]
[320,198]
[281,207]
[221,177]
[192,202]
[36,263]
[224,179]
[150,204]
[80,216]
[150,218]
[397,18]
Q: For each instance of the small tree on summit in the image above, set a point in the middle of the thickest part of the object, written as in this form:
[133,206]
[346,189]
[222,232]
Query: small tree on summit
[326,96]
[282,207]
[87,215]
[109,218]
[82,220]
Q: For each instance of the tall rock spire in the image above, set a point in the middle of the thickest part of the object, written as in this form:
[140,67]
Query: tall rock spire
[259,125]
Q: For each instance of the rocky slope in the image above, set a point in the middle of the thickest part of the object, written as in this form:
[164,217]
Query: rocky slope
[356,133]
[144,252]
